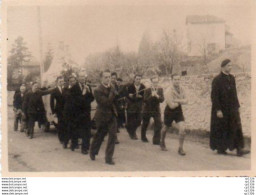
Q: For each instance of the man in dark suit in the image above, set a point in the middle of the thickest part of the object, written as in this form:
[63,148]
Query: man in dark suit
[57,105]
[121,104]
[84,118]
[153,96]
[226,128]
[105,118]
[17,108]
[33,108]
[135,97]
[114,84]
[70,113]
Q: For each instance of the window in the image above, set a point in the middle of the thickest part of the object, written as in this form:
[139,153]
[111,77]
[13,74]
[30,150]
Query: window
[211,48]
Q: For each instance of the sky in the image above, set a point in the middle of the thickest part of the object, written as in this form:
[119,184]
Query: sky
[89,29]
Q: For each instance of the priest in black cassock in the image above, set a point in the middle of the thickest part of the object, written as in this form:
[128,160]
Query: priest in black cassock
[226,129]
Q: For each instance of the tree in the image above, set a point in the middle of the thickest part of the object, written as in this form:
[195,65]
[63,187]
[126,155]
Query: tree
[145,52]
[19,53]
[169,52]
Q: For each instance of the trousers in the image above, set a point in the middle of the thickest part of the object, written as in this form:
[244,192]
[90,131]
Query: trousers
[104,128]
[133,121]
[157,125]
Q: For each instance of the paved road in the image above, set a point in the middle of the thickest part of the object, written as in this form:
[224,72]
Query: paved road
[44,153]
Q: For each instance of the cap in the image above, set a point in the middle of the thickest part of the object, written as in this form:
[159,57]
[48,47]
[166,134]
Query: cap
[225,62]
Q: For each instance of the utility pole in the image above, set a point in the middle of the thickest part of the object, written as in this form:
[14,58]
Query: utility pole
[40,44]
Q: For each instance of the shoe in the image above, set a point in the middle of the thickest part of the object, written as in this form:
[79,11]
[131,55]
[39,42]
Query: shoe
[117,142]
[72,148]
[77,146]
[22,130]
[222,152]
[84,151]
[135,137]
[181,152]
[110,162]
[241,152]
[163,148]
[156,143]
[31,134]
[65,146]
[92,156]
[144,139]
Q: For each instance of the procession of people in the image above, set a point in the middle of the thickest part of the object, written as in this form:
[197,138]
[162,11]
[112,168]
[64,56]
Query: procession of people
[129,105]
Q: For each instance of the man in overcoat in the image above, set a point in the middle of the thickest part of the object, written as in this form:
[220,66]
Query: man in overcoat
[226,129]
[17,107]
[84,101]
[121,104]
[33,107]
[70,113]
[135,95]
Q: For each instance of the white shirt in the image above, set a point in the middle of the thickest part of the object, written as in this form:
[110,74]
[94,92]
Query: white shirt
[60,89]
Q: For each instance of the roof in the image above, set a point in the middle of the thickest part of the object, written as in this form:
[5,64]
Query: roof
[30,66]
[201,19]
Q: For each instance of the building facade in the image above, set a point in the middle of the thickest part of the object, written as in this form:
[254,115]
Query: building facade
[205,35]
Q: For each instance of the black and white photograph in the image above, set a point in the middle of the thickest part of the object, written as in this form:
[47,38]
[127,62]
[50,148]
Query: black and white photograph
[128,89]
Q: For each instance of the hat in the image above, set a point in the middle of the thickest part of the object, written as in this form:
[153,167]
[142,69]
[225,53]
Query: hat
[225,62]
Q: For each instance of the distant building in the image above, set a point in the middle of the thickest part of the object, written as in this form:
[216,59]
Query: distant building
[229,39]
[206,35]
[30,67]
[19,73]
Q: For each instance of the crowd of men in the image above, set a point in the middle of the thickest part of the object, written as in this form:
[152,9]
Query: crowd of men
[129,105]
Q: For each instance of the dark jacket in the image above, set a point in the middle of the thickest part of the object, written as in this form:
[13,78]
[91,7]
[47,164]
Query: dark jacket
[57,101]
[121,98]
[152,104]
[72,107]
[134,104]
[88,97]
[77,106]
[106,104]
[33,103]
[18,100]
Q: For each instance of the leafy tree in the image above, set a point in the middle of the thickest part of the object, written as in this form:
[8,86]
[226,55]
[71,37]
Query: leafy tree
[19,53]
[146,53]
[169,54]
